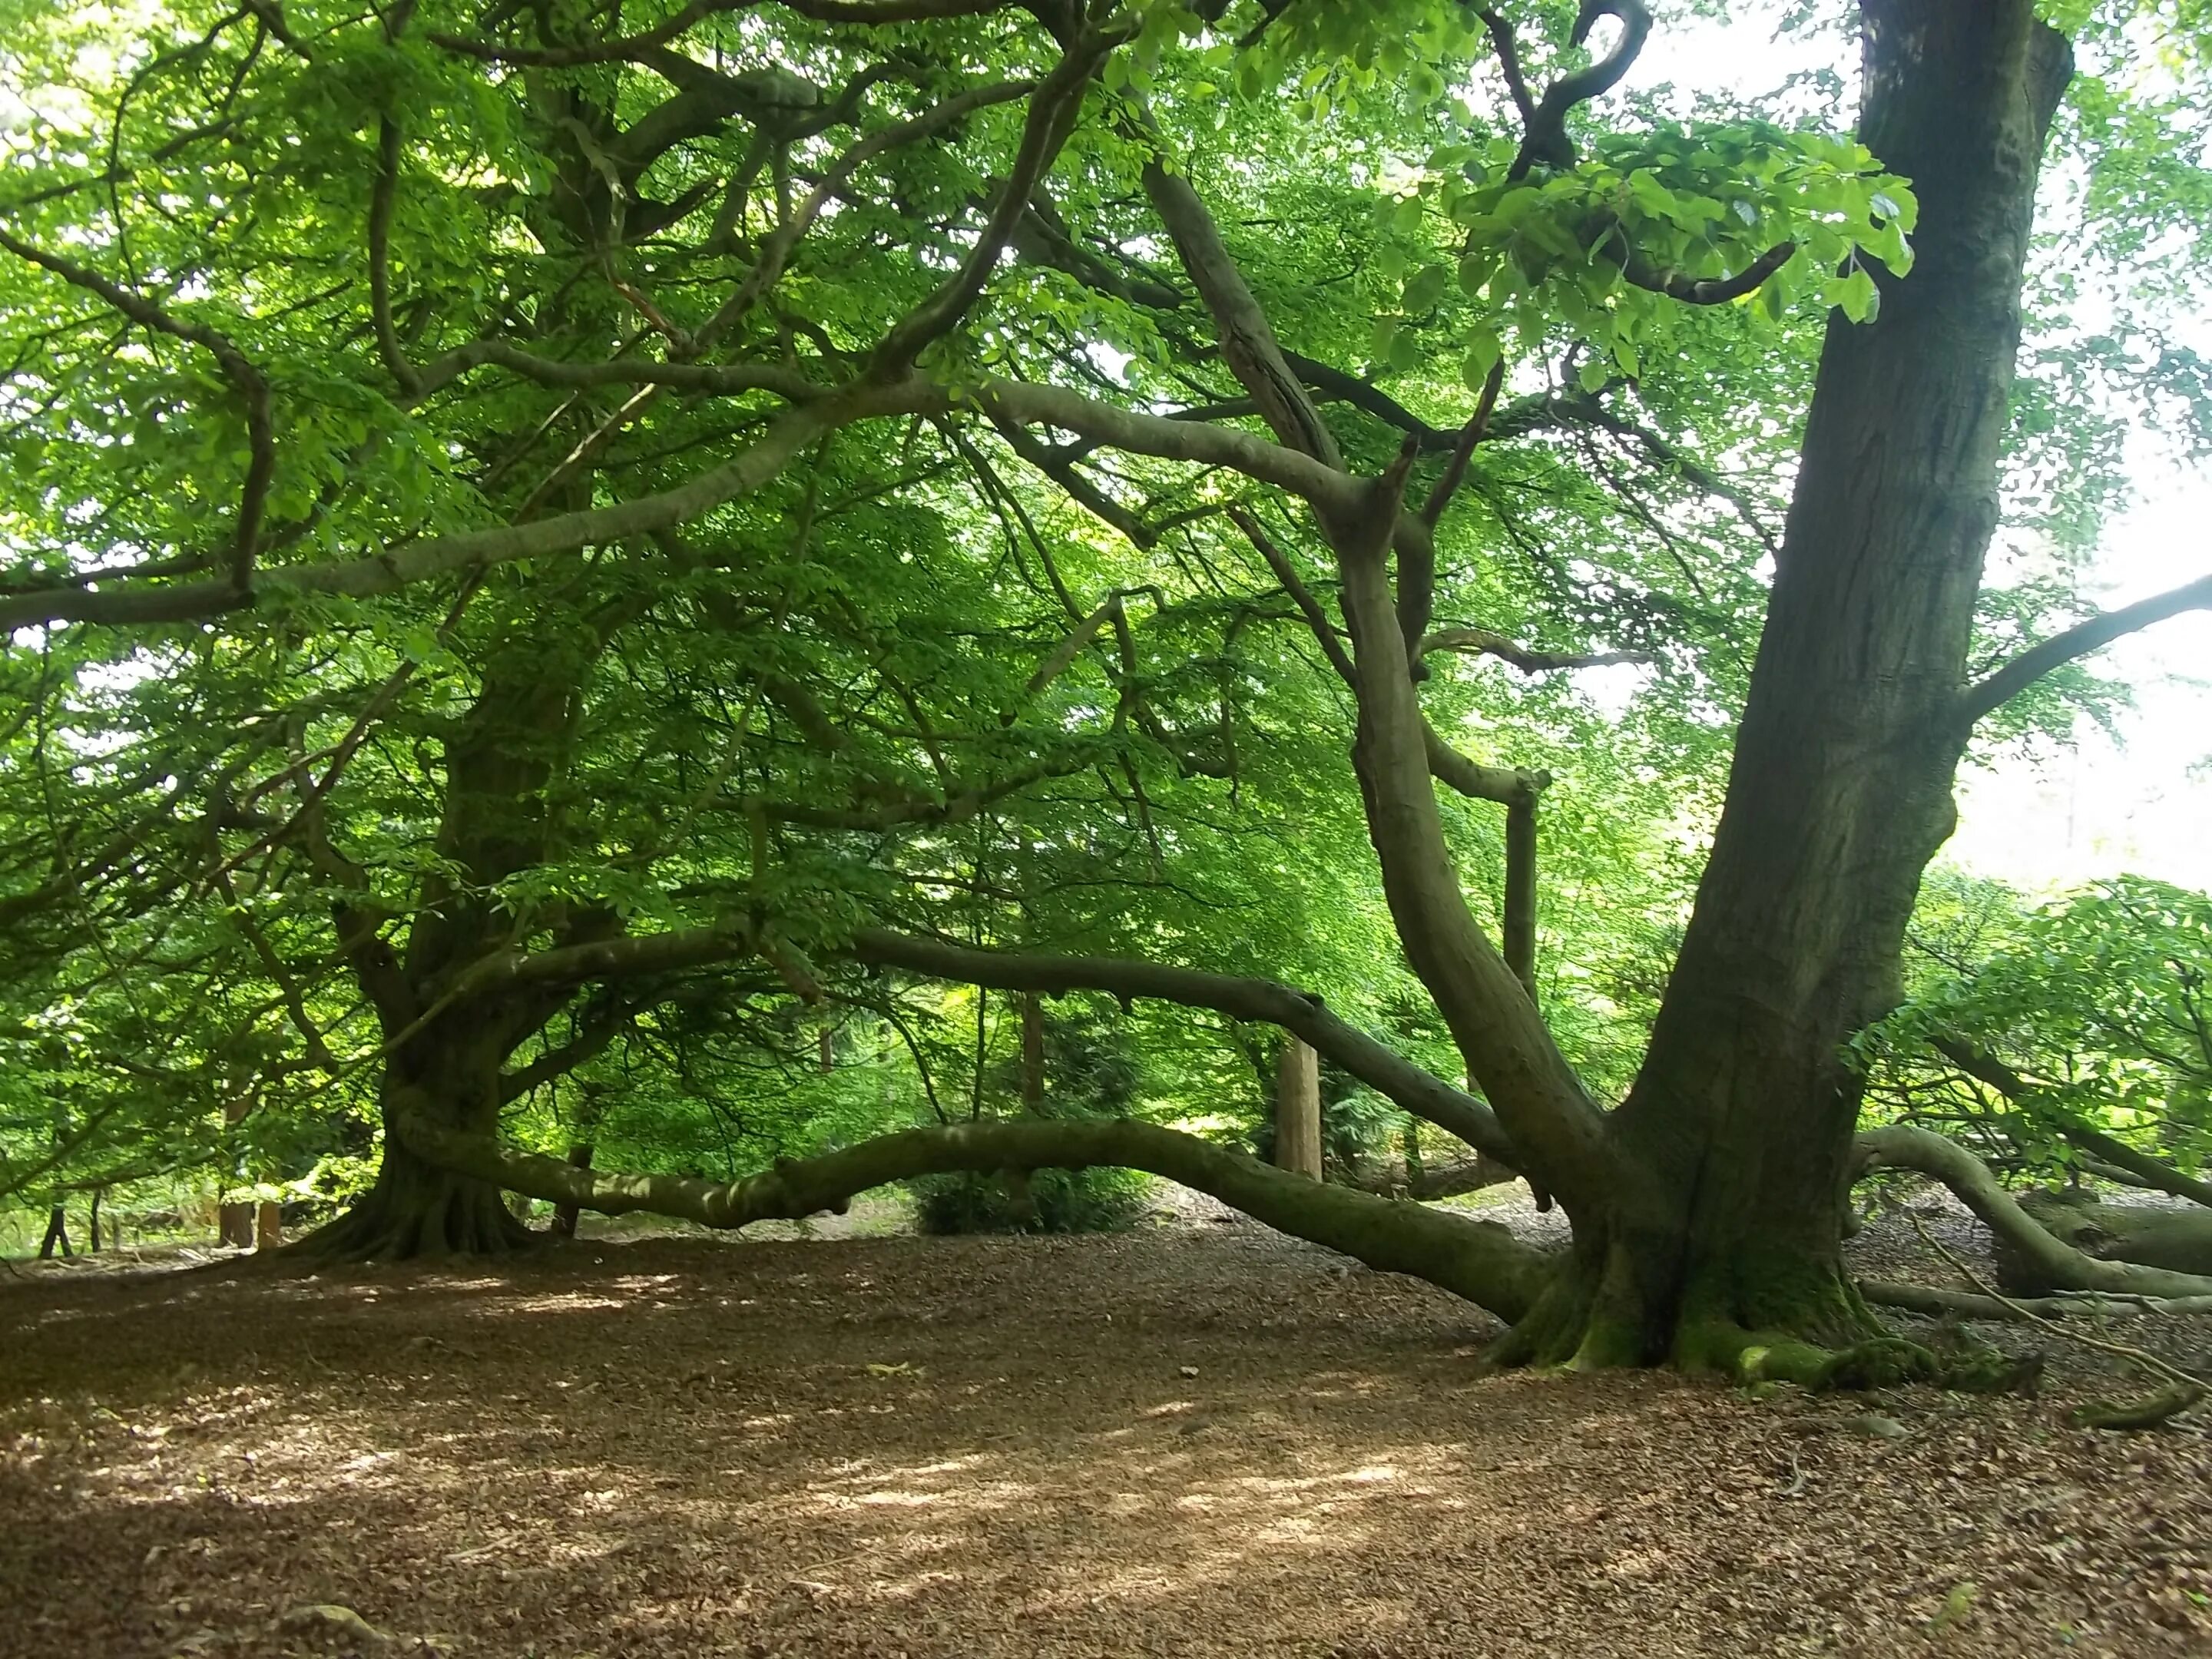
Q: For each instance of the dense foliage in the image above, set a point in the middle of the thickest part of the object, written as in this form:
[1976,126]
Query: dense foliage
[498,497]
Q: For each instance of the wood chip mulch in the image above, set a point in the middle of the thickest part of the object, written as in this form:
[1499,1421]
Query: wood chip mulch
[1200,1439]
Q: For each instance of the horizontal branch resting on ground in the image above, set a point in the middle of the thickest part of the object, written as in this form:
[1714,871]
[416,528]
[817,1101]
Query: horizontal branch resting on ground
[1904,1147]
[1928,1299]
[1479,1260]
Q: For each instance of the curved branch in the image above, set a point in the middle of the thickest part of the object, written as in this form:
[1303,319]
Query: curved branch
[1247,342]
[127,602]
[1479,1260]
[1300,1012]
[1480,641]
[1493,1022]
[610,51]
[381,201]
[252,386]
[1546,140]
[1902,1146]
[1054,110]
[1927,1299]
[2138,1168]
[1507,786]
[1984,698]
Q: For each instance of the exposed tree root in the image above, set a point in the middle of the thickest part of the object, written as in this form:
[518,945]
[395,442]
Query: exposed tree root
[1479,1260]
[418,1210]
[2150,1411]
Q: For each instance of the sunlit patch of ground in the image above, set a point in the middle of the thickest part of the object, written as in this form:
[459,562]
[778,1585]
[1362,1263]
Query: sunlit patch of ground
[1200,1440]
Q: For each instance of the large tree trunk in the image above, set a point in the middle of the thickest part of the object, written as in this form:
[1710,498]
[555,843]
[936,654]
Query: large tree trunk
[1740,1124]
[418,1209]
[448,1047]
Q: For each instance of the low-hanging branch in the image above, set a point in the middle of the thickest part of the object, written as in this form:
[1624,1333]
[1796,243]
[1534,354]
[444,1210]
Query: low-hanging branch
[1262,1001]
[1902,1146]
[2140,1169]
[1481,642]
[1479,1260]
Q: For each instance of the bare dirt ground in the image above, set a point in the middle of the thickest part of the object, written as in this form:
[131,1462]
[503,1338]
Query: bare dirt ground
[1194,1439]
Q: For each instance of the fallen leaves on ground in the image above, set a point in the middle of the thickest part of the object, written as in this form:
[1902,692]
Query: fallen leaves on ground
[1194,1441]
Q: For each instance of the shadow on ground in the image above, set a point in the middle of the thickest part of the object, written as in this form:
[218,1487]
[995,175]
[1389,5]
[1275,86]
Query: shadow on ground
[1200,1442]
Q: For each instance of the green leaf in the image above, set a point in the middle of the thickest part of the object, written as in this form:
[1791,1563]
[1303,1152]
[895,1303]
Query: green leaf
[1424,287]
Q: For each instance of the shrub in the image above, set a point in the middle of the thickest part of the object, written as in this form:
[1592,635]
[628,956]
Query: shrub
[1049,1201]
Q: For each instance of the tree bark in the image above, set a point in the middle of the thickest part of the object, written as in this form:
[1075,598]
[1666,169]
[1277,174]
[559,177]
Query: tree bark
[566,1215]
[1032,1053]
[1740,1121]
[57,1233]
[1479,1260]
[1297,1109]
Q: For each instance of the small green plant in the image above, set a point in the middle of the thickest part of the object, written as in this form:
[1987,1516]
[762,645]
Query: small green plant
[1048,1201]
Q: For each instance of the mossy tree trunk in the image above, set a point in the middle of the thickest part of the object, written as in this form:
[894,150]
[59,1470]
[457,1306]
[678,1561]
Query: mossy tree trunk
[1738,1132]
[447,1042]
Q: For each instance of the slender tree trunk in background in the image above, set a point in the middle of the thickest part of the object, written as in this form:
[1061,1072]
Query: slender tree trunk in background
[57,1233]
[1297,1109]
[234,1220]
[1032,1053]
[1740,1121]
[825,1053]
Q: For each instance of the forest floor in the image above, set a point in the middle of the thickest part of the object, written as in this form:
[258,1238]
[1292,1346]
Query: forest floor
[1197,1438]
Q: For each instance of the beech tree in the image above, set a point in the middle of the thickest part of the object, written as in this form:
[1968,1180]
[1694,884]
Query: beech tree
[537,523]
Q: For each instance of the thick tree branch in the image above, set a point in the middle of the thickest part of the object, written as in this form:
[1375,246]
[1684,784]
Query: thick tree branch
[1984,698]
[1508,785]
[1262,1001]
[1480,641]
[1903,1147]
[697,11]
[1053,109]
[125,603]
[1638,271]
[1545,142]
[1492,1020]
[380,203]
[1247,342]
[1928,1299]
[1479,1260]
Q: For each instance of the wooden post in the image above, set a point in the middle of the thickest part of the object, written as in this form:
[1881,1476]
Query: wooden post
[268,1226]
[1297,1109]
